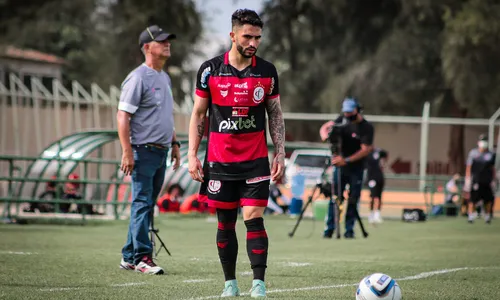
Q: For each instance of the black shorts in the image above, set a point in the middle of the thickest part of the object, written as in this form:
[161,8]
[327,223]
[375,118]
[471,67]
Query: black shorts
[232,194]
[376,186]
[480,192]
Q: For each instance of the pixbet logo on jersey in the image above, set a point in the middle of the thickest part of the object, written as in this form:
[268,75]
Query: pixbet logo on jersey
[240,123]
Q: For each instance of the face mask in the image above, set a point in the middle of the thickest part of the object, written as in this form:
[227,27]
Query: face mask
[352,118]
[483,144]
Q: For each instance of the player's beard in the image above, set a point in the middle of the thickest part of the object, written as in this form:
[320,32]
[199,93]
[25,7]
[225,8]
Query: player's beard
[242,51]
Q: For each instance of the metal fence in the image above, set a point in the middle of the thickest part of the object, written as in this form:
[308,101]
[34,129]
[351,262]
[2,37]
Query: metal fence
[34,115]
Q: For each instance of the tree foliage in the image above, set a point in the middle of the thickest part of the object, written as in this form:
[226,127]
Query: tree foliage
[99,38]
[393,55]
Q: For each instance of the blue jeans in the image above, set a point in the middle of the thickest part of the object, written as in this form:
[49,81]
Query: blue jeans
[354,177]
[147,180]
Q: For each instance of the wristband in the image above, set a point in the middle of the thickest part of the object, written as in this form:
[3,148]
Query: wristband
[347,160]
[176,143]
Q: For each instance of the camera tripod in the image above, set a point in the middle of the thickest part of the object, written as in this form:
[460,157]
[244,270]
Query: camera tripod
[354,207]
[326,192]
[336,200]
[153,235]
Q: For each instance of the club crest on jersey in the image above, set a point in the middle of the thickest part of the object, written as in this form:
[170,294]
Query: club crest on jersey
[223,93]
[203,77]
[258,93]
[214,186]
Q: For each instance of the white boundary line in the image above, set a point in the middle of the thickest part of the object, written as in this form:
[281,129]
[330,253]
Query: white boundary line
[62,289]
[128,284]
[324,287]
[275,291]
[18,252]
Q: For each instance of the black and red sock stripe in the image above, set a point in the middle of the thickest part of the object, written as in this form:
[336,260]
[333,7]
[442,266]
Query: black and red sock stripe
[257,246]
[227,243]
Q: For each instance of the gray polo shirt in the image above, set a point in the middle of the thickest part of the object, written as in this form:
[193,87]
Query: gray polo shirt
[147,95]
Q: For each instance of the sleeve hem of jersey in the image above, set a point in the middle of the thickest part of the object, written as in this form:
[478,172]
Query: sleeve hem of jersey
[271,97]
[127,107]
[202,94]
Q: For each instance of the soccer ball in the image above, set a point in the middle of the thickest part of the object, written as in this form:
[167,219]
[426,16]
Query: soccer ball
[378,286]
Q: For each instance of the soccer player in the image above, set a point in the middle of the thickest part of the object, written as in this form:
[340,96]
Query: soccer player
[374,164]
[237,88]
[480,177]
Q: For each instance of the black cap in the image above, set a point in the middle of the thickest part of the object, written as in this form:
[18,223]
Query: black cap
[483,137]
[154,33]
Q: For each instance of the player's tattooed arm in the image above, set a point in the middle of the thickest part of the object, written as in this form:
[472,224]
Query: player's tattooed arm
[201,127]
[276,124]
[197,124]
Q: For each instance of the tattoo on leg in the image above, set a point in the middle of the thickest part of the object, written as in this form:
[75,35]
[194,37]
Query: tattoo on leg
[201,128]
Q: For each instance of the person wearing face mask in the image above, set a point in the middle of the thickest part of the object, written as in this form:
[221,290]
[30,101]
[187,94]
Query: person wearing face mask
[357,144]
[480,178]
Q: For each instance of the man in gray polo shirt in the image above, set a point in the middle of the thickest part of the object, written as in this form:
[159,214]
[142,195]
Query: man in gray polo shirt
[146,131]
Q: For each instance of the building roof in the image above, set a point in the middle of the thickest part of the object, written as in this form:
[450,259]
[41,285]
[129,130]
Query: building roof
[28,54]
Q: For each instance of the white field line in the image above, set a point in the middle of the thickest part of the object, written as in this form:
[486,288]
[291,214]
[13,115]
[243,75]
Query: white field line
[196,280]
[128,284]
[59,289]
[296,264]
[324,287]
[310,288]
[18,252]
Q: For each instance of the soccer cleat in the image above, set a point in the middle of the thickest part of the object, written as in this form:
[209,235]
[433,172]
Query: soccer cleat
[126,266]
[147,266]
[231,289]
[258,289]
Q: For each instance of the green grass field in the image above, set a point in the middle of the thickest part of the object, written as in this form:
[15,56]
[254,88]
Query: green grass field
[438,259]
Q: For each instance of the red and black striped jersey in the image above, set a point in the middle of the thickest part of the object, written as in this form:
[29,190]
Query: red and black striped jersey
[237,146]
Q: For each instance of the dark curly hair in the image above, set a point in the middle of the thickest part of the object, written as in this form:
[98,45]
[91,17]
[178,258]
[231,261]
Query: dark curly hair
[174,186]
[246,16]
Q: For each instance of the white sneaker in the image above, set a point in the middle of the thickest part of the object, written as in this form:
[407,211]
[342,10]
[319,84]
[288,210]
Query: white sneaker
[147,266]
[487,218]
[472,217]
[371,219]
[126,266]
[377,218]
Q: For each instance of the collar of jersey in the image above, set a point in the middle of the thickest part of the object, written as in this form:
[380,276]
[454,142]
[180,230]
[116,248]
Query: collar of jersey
[226,59]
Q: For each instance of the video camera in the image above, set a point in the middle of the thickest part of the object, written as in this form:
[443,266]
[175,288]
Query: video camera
[335,135]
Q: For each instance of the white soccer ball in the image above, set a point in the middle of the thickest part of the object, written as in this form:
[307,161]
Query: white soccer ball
[378,286]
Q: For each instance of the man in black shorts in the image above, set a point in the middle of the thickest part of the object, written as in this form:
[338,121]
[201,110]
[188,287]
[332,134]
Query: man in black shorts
[376,181]
[480,177]
[237,88]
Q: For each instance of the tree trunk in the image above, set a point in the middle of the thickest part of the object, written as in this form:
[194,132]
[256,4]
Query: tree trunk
[456,154]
